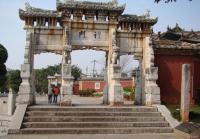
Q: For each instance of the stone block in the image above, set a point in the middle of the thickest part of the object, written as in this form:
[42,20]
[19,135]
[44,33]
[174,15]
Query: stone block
[116,95]
[66,102]
[105,95]
[66,70]
[25,71]
[25,94]
[66,90]
[152,95]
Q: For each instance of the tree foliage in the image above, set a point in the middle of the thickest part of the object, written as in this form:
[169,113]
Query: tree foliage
[3,84]
[2,69]
[41,75]
[3,54]
[3,58]
[14,80]
[76,72]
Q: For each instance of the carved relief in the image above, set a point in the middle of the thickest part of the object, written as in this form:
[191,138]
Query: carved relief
[67,55]
[97,34]
[115,56]
[114,41]
[82,34]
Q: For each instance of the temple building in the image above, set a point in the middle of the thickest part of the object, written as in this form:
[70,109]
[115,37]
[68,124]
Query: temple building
[172,49]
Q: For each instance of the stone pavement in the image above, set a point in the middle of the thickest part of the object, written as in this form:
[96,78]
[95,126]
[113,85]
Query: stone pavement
[190,129]
[96,136]
[78,101]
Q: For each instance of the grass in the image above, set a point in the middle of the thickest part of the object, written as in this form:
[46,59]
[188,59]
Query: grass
[194,112]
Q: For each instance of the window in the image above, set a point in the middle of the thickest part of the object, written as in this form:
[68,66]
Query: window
[97,85]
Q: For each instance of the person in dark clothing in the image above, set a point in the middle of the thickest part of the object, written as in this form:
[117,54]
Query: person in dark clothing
[50,94]
[56,92]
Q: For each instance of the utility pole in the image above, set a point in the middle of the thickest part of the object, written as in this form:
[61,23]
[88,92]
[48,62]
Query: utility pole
[94,67]
[87,71]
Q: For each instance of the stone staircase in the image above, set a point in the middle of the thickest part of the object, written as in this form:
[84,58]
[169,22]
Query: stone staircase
[91,120]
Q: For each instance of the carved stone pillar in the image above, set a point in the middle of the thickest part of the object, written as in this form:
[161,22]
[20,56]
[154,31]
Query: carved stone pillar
[105,90]
[115,89]
[151,89]
[138,87]
[26,89]
[67,79]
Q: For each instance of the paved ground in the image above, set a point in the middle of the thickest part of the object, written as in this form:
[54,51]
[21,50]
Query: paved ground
[109,136]
[78,101]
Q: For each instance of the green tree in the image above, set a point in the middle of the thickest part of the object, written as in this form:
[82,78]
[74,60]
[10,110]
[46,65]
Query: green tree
[3,54]
[41,75]
[14,80]
[3,58]
[76,72]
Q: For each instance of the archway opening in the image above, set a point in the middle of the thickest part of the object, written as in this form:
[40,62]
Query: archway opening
[129,66]
[89,87]
[46,65]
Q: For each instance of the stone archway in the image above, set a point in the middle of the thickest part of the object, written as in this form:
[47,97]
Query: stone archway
[102,27]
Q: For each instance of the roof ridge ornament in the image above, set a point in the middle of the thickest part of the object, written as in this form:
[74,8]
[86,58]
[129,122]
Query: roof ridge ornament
[115,2]
[68,1]
[147,13]
[27,6]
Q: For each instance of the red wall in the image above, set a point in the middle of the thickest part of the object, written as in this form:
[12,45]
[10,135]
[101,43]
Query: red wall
[169,76]
[91,85]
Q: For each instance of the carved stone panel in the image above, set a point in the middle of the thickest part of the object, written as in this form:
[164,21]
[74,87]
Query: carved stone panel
[82,37]
[48,40]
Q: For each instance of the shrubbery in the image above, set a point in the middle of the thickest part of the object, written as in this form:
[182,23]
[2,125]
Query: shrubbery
[197,98]
[129,93]
[87,93]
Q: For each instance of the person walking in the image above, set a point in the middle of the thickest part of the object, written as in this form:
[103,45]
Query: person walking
[56,92]
[50,94]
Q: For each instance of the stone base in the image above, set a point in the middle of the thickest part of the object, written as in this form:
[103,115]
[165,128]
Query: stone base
[138,96]
[25,95]
[116,103]
[105,95]
[116,97]
[67,102]
[152,95]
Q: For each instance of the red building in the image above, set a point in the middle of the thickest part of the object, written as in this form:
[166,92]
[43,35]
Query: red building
[172,49]
[98,84]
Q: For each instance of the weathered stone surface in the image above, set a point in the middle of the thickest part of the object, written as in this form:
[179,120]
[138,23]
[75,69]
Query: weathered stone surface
[138,88]
[66,102]
[87,25]
[11,102]
[185,92]
[91,120]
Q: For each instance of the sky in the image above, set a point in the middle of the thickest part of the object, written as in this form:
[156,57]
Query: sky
[12,35]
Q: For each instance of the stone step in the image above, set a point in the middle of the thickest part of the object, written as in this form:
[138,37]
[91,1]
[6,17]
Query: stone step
[91,119]
[89,113]
[92,124]
[134,130]
[113,109]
